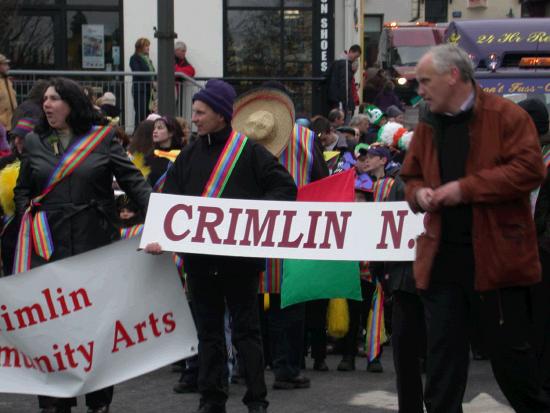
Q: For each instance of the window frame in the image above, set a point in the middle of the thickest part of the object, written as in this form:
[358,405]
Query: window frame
[281,9]
[58,12]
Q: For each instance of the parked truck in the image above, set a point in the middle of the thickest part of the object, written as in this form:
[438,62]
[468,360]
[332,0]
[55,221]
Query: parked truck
[510,57]
[400,47]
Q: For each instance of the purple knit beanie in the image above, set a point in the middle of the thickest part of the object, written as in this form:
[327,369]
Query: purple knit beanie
[220,96]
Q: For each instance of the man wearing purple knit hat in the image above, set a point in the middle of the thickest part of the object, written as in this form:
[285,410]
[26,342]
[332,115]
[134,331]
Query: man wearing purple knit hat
[214,281]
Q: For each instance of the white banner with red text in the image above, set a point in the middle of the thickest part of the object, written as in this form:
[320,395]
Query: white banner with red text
[372,231]
[91,321]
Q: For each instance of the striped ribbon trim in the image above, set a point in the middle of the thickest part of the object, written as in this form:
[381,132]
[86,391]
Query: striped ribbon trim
[179,265]
[6,221]
[25,124]
[546,158]
[225,164]
[376,332]
[381,189]
[159,185]
[131,232]
[41,235]
[297,158]
[219,176]
[34,226]
[270,279]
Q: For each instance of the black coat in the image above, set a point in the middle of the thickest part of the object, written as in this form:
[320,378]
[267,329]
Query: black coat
[339,91]
[400,272]
[257,175]
[542,208]
[81,208]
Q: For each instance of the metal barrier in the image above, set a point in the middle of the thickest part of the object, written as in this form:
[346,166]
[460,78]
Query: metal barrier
[135,92]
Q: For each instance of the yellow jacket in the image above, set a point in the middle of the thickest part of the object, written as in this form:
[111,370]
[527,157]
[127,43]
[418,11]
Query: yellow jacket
[8,102]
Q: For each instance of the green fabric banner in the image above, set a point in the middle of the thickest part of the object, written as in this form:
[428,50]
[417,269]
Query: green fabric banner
[306,280]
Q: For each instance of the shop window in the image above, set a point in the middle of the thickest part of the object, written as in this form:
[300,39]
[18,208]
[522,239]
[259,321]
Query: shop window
[297,36]
[298,3]
[253,3]
[270,42]
[29,41]
[371,37]
[37,2]
[93,40]
[253,43]
[93,2]
[62,34]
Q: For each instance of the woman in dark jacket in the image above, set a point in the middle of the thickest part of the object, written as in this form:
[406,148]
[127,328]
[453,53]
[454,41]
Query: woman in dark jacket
[167,136]
[142,85]
[80,209]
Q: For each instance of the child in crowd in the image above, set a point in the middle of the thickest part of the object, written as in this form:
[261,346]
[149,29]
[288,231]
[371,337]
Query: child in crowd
[130,218]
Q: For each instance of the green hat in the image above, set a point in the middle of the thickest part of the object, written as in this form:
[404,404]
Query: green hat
[374,114]
[361,149]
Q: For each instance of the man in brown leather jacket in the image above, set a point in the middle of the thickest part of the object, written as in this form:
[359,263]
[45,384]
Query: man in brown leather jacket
[471,165]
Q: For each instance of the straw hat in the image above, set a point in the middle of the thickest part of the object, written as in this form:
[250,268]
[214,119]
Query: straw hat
[265,115]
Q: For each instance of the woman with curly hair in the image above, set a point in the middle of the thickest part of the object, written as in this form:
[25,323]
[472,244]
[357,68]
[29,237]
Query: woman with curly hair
[66,176]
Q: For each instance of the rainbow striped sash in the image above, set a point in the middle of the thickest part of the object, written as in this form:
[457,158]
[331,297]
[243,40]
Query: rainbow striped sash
[159,185]
[219,176]
[171,156]
[179,265]
[34,225]
[131,232]
[297,158]
[224,166]
[381,188]
[376,331]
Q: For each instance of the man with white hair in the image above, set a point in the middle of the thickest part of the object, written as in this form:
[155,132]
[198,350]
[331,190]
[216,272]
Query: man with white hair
[182,65]
[471,165]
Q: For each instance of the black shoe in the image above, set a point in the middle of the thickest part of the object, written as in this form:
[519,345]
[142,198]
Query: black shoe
[177,367]
[478,355]
[257,409]
[236,379]
[320,365]
[347,364]
[298,382]
[211,408]
[185,387]
[375,366]
[102,409]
